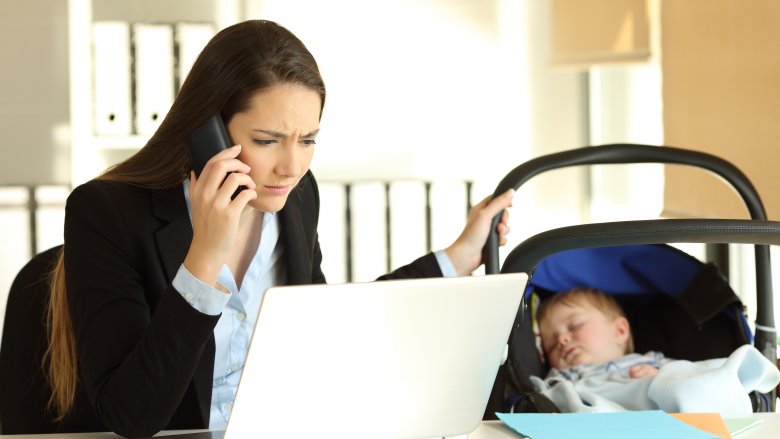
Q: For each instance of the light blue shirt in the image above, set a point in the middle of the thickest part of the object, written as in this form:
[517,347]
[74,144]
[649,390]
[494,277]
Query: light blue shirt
[240,307]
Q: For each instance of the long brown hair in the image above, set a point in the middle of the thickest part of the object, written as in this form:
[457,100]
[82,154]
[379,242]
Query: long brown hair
[236,63]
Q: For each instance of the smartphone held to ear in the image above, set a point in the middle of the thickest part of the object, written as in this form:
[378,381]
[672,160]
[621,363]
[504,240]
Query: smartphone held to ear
[207,141]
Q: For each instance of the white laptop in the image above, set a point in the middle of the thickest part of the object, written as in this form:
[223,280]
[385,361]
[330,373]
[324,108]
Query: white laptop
[391,359]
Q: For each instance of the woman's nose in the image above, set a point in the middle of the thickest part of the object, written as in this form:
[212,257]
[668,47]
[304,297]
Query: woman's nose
[289,163]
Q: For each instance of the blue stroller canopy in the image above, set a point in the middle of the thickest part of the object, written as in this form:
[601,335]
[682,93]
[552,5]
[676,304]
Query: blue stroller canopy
[636,270]
[629,269]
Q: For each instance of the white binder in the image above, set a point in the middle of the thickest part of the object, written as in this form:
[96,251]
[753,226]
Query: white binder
[369,228]
[332,231]
[154,74]
[111,67]
[192,38]
[448,212]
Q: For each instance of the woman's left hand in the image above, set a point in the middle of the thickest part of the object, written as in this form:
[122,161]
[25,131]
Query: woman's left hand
[466,252]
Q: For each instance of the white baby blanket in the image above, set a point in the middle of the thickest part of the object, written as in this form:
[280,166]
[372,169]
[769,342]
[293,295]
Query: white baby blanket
[720,385]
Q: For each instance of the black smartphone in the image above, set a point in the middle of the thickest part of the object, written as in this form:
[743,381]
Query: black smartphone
[206,141]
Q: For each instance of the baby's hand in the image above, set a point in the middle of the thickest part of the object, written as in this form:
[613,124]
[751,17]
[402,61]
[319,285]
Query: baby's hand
[642,370]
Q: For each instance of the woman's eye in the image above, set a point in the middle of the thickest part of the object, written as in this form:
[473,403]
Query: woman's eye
[309,142]
[264,142]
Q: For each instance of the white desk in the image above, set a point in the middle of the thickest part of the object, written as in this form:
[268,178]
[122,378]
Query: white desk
[769,428]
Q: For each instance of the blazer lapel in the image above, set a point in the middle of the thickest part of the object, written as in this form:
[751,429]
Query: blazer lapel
[296,247]
[174,237]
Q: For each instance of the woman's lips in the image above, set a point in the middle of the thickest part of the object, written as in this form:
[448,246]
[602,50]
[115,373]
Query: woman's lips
[277,190]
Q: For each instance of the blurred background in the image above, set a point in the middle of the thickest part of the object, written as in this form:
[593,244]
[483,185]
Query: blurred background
[430,103]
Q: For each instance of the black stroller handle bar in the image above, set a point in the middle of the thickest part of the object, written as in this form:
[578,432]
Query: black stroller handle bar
[526,256]
[621,154]
[631,154]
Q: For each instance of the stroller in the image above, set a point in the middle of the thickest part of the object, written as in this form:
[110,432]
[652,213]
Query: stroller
[677,304]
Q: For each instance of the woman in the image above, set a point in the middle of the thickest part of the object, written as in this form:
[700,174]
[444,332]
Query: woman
[150,325]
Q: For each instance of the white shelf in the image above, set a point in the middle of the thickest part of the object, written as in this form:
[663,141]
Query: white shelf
[91,154]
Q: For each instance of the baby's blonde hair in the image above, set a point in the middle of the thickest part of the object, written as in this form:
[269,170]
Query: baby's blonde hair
[592,297]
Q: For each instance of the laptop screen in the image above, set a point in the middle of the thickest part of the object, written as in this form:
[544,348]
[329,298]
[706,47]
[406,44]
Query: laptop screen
[401,358]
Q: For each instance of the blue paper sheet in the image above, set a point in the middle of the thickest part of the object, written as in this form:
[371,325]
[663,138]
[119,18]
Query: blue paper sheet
[651,424]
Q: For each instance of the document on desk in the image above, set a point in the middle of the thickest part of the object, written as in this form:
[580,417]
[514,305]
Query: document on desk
[650,424]
[737,426]
[709,422]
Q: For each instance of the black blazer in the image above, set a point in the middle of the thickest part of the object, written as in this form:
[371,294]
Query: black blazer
[145,356]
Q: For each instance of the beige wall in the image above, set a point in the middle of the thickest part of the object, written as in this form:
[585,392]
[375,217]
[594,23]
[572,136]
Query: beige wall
[721,73]
[606,31]
[34,112]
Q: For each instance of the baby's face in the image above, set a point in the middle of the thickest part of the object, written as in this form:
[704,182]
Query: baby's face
[581,334]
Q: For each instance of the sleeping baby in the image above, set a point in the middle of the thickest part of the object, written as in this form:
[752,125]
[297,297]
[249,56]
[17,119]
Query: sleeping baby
[587,341]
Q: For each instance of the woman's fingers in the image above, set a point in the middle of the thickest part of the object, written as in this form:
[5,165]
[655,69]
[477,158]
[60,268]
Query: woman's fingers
[231,184]
[466,252]
[503,231]
[500,203]
[243,198]
[216,171]
[225,161]
[503,228]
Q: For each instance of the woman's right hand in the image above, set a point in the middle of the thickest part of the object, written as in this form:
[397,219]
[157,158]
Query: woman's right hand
[215,217]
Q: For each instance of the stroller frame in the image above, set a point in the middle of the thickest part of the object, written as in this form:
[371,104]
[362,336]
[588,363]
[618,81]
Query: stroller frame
[756,231]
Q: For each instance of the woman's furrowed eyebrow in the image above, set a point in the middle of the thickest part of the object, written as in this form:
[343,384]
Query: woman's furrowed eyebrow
[281,135]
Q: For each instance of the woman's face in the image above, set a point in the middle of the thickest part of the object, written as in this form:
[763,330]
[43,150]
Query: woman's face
[276,134]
